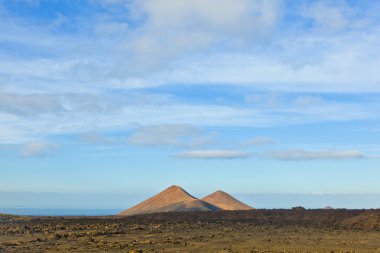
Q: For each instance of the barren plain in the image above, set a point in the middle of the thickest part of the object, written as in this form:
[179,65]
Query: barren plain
[295,230]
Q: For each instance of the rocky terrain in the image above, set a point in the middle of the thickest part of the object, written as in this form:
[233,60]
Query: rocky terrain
[296,230]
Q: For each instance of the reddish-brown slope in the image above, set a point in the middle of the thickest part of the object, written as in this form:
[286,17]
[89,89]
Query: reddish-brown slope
[225,201]
[173,199]
[189,206]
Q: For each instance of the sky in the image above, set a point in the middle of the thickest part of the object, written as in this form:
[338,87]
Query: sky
[104,102]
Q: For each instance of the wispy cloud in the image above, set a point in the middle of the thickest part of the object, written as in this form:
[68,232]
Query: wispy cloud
[29,105]
[85,72]
[233,44]
[300,154]
[267,100]
[194,27]
[38,116]
[215,154]
[308,100]
[374,156]
[261,140]
[169,135]
[39,149]
[285,155]
[97,139]
[329,16]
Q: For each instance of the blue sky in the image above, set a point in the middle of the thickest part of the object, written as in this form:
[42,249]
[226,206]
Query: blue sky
[250,96]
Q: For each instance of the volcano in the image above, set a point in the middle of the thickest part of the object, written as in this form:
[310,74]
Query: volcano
[225,201]
[172,199]
[176,199]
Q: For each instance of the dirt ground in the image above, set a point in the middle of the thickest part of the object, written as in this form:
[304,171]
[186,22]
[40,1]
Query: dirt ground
[235,231]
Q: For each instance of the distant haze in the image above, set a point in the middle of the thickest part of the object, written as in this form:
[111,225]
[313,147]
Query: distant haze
[124,201]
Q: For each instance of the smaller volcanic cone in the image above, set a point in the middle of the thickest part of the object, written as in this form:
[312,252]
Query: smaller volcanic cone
[225,201]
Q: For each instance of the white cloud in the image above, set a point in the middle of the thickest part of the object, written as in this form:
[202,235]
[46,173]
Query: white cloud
[331,16]
[215,154]
[341,67]
[29,105]
[176,29]
[167,135]
[109,2]
[39,149]
[38,116]
[308,100]
[35,104]
[11,134]
[111,28]
[32,2]
[96,138]
[69,80]
[150,43]
[300,154]
[261,140]
[229,16]
[286,155]
[267,100]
